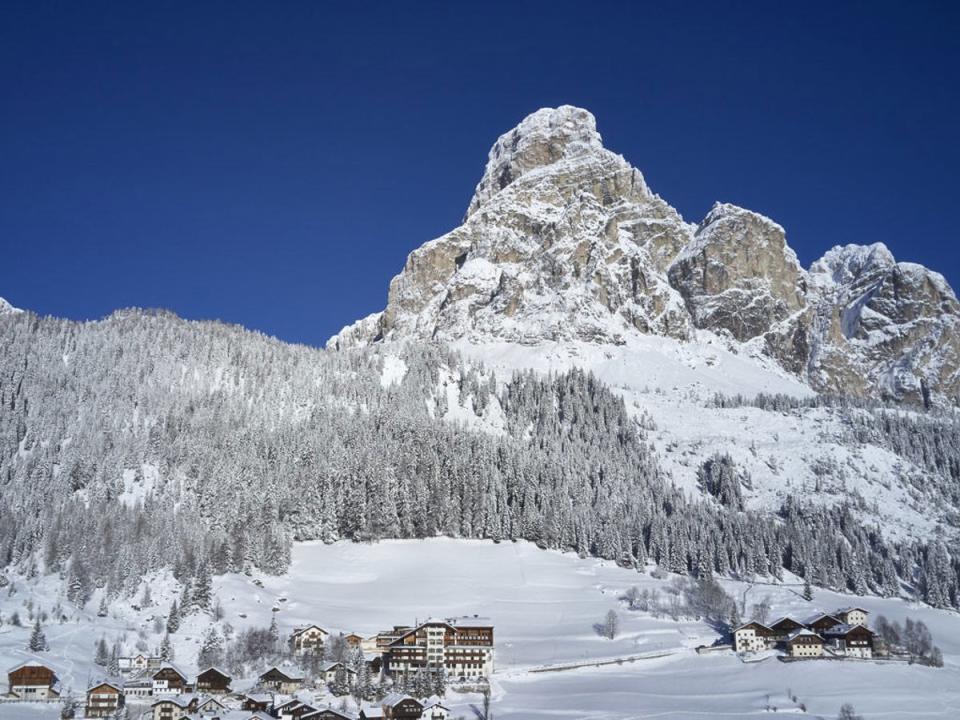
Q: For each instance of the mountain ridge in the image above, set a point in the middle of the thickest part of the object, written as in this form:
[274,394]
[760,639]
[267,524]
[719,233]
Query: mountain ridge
[564,240]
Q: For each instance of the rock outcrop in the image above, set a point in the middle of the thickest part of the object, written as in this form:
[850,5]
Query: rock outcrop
[564,240]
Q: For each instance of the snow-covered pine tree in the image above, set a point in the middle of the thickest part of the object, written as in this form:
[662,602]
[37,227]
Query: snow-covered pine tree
[38,640]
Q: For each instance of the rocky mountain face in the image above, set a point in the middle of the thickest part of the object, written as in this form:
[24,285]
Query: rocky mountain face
[564,240]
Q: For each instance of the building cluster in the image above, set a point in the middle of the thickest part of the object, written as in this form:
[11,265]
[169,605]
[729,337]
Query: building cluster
[843,633]
[396,706]
[462,646]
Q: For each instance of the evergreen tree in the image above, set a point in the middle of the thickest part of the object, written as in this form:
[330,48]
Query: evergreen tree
[173,619]
[807,591]
[38,641]
[211,652]
[103,653]
[166,648]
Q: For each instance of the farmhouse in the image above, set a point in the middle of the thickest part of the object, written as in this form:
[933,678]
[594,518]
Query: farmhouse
[783,627]
[169,680]
[293,709]
[209,705]
[821,622]
[752,637]
[394,707]
[308,640]
[850,640]
[104,699]
[852,615]
[213,681]
[32,680]
[286,681]
[805,643]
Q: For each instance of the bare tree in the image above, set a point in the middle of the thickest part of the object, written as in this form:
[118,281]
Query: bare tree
[611,624]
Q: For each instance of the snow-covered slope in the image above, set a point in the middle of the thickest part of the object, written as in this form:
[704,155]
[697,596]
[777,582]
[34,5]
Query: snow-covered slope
[543,605]
[564,241]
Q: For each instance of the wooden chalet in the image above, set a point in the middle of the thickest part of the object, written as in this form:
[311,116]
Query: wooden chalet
[353,640]
[286,681]
[401,707]
[293,710]
[213,681]
[821,622]
[782,628]
[308,640]
[104,699]
[328,713]
[32,680]
[169,680]
[261,702]
[752,637]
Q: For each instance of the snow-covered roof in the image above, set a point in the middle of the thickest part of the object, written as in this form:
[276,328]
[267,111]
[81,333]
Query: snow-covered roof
[329,709]
[844,628]
[819,616]
[115,684]
[803,633]
[396,698]
[290,671]
[183,700]
[783,619]
[304,628]
[328,666]
[30,663]
[752,623]
[433,701]
[215,669]
[845,610]
[169,666]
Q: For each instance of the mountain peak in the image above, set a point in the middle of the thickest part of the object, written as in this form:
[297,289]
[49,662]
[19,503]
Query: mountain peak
[543,138]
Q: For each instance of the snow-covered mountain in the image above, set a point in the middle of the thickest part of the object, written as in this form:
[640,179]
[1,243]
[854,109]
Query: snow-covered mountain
[564,241]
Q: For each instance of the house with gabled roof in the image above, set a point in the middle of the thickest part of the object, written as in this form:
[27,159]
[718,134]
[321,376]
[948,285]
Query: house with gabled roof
[286,680]
[104,698]
[329,713]
[213,680]
[308,640]
[819,622]
[852,615]
[169,680]
[328,672]
[32,680]
[434,709]
[850,640]
[752,636]
[174,707]
[804,644]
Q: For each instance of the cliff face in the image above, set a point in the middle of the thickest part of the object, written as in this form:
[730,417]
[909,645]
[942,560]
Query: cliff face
[564,240]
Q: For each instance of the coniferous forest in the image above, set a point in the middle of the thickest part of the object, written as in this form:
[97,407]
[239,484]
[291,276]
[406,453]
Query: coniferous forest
[145,441]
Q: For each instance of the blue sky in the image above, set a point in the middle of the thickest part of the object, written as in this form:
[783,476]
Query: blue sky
[272,164]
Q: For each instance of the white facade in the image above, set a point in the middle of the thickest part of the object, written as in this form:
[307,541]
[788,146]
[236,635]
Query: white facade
[433,710]
[308,640]
[33,692]
[746,639]
[853,616]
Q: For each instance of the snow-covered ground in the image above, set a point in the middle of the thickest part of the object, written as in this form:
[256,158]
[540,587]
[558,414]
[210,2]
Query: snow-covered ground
[544,605]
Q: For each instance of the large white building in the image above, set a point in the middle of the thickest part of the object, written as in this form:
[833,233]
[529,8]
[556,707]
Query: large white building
[462,647]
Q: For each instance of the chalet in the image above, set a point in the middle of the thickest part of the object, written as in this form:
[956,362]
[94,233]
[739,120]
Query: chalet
[393,707]
[328,713]
[852,615]
[169,680]
[308,640]
[752,637]
[433,709]
[328,672]
[783,627]
[138,663]
[174,707]
[804,644]
[293,710]
[463,647]
[821,622]
[257,702]
[210,706]
[850,640]
[104,699]
[286,681]
[32,680]
[213,681]
[353,640]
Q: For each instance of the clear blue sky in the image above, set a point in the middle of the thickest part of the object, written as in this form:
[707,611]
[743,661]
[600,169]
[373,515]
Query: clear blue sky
[272,164]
